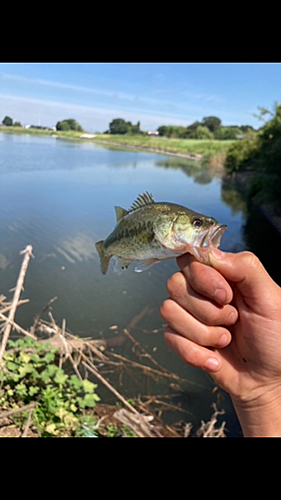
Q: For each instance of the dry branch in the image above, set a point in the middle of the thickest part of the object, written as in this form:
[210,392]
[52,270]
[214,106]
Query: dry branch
[27,252]
[9,413]
[38,316]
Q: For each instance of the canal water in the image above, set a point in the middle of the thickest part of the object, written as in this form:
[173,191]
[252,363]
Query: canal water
[59,196]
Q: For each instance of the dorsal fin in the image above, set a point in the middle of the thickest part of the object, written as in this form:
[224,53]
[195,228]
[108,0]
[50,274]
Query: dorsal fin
[142,200]
[120,212]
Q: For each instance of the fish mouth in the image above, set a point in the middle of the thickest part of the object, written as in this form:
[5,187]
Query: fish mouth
[212,237]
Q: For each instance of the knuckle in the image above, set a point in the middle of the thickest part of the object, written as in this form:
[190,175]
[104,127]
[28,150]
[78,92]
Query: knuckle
[251,260]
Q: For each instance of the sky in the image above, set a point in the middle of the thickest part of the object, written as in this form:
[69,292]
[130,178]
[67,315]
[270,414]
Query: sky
[152,93]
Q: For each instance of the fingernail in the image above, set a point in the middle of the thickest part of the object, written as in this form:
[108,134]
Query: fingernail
[218,254]
[232,318]
[220,295]
[212,364]
[223,340]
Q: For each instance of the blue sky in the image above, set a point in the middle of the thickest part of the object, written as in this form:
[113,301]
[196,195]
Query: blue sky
[154,94]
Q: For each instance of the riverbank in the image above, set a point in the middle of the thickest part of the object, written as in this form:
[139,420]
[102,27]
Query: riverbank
[191,149]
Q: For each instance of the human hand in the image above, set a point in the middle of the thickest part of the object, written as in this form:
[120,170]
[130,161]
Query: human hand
[227,320]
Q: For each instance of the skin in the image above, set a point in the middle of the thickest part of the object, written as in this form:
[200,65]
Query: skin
[226,319]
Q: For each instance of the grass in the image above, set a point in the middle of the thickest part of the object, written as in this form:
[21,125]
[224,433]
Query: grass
[206,148]
[184,146]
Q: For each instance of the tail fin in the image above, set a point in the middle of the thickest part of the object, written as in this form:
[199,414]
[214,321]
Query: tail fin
[104,257]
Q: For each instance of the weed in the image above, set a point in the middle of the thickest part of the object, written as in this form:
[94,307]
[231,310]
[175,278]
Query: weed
[30,374]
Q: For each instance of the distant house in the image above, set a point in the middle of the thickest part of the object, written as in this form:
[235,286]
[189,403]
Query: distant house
[152,132]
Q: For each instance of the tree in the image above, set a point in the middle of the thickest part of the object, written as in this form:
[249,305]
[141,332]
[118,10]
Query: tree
[171,130]
[69,124]
[118,126]
[190,131]
[212,122]
[7,121]
[228,133]
[203,133]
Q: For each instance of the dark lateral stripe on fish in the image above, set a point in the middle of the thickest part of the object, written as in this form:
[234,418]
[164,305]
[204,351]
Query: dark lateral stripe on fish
[143,228]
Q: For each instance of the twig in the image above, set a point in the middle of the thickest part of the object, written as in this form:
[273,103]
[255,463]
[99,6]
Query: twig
[27,254]
[17,327]
[208,429]
[9,413]
[144,354]
[138,423]
[28,423]
[38,316]
[148,370]
[8,307]
[138,317]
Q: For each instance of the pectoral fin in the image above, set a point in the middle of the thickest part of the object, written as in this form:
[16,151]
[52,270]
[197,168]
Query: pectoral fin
[143,265]
[121,265]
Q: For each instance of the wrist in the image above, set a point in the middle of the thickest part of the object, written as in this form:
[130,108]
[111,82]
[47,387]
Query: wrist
[260,416]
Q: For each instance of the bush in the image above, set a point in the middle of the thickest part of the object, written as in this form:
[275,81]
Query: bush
[240,155]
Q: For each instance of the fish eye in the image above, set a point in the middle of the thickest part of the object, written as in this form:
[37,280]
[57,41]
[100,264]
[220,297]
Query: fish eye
[197,223]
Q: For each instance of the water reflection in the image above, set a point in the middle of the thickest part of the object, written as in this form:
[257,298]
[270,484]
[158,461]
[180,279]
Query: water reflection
[259,235]
[4,262]
[76,248]
[194,169]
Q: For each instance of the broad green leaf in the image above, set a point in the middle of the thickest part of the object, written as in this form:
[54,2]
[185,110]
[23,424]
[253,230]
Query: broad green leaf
[89,386]
[24,357]
[60,377]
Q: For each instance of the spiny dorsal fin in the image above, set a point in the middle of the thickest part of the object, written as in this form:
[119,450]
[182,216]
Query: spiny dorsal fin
[142,200]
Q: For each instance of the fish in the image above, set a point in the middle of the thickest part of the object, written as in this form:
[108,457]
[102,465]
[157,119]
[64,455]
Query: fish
[150,232]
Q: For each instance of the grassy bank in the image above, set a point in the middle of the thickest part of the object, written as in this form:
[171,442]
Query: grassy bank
[185,147]
[168,145]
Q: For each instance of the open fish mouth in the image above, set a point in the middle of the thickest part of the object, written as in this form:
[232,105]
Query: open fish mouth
[212,237]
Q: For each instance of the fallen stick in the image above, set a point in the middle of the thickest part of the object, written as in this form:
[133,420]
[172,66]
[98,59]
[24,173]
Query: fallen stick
[28,423]
[8,307]
[27,252]
[38,316]
[16,327]
[9,413]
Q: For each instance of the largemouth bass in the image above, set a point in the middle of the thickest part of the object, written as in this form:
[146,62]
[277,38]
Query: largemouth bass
[150,232]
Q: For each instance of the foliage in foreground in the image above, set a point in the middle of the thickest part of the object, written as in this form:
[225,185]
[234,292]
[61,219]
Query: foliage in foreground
[31,375]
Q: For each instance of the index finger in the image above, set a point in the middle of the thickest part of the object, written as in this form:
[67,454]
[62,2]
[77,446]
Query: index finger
[205,279]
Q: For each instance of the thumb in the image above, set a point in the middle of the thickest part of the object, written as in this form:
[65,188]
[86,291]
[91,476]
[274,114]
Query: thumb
[246,270]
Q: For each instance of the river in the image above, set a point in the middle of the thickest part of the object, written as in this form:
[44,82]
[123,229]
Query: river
[59,196]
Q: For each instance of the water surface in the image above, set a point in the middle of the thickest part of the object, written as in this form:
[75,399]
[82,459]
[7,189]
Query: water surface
[59,196]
